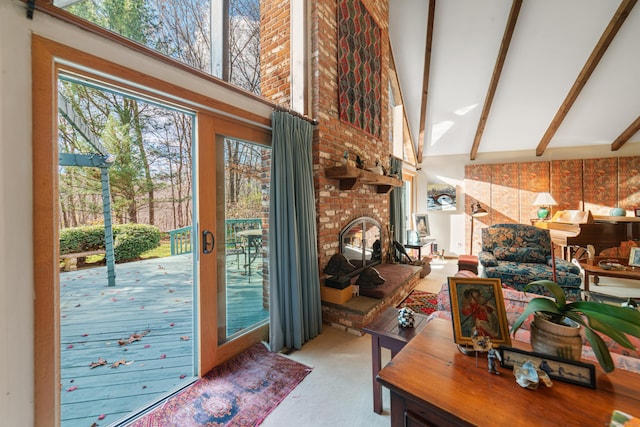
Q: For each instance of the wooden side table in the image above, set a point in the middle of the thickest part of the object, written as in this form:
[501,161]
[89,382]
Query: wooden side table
[386,332]
[596,271]
[432,383]
[419,245]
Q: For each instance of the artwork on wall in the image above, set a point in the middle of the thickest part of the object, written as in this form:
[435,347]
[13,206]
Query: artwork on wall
[441,197]
[421,224]
[359,67]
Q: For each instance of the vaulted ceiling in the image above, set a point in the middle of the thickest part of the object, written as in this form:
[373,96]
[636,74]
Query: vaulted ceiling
[485,76]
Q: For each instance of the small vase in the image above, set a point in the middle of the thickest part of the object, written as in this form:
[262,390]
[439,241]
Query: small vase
[551,338]
[617,212]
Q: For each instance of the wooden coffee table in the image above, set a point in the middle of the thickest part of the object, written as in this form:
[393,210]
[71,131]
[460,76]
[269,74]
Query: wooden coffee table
[386,332]
[432,383]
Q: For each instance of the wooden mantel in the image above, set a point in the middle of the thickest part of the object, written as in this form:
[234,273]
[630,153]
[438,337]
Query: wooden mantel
[349,176]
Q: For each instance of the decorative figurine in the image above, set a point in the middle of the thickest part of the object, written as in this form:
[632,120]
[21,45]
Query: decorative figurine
[492,355]
[406,317]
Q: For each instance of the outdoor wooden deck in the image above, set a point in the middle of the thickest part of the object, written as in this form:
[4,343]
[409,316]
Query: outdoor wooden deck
[153,299]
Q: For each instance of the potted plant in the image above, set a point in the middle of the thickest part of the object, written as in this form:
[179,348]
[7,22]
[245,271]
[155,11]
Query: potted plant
[593,317]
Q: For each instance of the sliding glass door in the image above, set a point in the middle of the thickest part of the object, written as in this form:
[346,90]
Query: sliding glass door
[243,262]
[128,272]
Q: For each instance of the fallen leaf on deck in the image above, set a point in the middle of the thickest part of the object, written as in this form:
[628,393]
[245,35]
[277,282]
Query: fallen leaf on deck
[102,417]
[100,362]
[133,337]
[163,356]
[121,362]
[94,425]
[183,376]
[70,346]
[72,388]
[185,338]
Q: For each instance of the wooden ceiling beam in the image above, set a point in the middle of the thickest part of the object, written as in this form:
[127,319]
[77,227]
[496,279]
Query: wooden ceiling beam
[425,78]
[626,135]
[598,52]
[495,78]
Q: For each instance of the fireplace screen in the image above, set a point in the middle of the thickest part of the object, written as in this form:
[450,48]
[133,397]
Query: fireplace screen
[360,242]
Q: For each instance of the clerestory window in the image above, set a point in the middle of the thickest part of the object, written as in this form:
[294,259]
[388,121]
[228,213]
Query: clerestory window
[218,37]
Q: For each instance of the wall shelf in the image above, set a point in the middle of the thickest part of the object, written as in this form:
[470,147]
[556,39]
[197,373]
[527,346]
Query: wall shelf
[349,176]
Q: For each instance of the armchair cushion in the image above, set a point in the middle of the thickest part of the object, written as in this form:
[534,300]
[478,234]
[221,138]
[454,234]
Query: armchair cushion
[487,259]
[519,254]
[565,266]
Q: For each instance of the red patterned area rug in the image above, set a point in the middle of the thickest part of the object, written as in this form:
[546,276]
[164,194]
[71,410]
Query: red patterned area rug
[421,302]
[240,392]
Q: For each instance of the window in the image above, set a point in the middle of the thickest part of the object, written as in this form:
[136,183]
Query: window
[218,37]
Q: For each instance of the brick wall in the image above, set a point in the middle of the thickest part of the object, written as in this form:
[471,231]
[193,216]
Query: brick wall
[275,60]
[332,137]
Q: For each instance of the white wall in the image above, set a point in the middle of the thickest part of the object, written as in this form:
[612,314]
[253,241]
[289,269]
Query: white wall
[16,276]
[449,227]
[16,231]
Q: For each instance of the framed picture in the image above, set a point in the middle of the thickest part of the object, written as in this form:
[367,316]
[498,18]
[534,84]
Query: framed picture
[421,224]
[570,371]
[477,309]
[637,211]
[634,257]
[441,197]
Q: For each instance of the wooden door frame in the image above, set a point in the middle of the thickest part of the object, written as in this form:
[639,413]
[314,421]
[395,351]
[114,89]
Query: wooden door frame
[48,58]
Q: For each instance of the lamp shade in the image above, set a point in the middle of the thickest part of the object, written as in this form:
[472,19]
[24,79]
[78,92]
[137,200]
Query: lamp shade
[477,211]
[544,199]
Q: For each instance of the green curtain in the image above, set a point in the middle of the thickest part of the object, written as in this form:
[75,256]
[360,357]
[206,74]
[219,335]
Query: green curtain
[295,308]
[397,214]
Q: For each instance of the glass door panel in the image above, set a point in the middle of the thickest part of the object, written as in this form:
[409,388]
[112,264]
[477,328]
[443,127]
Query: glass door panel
[127,281]
[243,265]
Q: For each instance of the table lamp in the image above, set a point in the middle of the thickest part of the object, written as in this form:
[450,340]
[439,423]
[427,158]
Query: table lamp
[544,201]
[476,212]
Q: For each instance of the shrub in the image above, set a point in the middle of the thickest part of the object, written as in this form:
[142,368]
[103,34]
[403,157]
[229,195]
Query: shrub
[81,239]
[130,240]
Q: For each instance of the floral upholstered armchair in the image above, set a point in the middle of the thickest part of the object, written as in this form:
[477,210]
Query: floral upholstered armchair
[518,254]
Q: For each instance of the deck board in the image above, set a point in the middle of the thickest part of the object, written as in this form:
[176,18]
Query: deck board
[154,297]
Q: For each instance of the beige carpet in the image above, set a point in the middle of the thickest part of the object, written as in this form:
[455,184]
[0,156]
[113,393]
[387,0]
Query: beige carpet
[338,392]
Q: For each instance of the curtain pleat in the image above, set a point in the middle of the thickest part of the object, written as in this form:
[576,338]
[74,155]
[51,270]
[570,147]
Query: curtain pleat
[397,208]
[295,308]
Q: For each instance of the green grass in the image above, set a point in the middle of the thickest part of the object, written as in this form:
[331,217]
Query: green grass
[164,250]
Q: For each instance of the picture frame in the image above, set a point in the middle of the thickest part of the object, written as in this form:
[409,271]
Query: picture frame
[477,309]
[421,224]
[570,371]
[634,257]
[636,212]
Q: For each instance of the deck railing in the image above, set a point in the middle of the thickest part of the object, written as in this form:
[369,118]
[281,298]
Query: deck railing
[181,237]
[180,240]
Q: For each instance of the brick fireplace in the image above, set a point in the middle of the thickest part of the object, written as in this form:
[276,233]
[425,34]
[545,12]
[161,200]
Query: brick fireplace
[332,137]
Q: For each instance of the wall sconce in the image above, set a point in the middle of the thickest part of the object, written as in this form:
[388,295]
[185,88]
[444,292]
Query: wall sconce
[476,212]
[545,201]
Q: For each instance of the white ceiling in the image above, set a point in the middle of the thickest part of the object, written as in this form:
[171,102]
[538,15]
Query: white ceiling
[553,40]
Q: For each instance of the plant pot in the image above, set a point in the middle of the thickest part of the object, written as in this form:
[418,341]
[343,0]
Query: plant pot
[554,339]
